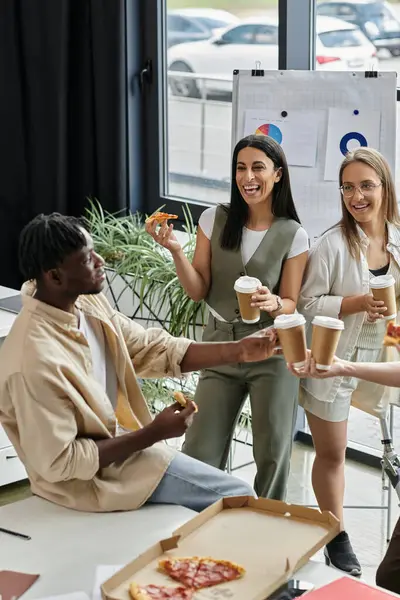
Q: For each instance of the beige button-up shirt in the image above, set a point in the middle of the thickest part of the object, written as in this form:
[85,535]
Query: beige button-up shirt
[52,408]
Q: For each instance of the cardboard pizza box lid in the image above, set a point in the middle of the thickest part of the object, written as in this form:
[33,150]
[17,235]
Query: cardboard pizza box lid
[270,539]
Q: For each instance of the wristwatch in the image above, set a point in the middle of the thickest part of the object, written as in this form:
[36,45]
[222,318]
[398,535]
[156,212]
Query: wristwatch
[279,303]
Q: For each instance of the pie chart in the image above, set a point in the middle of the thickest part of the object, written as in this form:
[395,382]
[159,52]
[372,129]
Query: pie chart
[271,130]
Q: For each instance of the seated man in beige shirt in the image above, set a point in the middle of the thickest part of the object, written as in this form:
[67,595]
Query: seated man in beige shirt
[68,386]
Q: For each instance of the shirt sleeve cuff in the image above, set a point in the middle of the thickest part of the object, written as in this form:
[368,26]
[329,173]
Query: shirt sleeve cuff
[330,306]
[87,468]
[181,347]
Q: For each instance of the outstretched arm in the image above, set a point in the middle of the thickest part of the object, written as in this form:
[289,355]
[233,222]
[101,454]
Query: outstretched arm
[381,373]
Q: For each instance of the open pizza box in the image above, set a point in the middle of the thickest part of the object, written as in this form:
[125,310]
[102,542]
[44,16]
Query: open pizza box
[270,539]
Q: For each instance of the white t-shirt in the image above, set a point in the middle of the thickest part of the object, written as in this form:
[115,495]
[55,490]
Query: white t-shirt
[252,239]
[103,367]
[250,242]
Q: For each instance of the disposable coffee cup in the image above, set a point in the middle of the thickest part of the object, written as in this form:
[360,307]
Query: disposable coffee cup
[325,338]
[245,287]
[382,288]
[292,337]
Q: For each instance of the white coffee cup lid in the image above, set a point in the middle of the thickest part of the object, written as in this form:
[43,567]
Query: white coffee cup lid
[381,281]
[247,285]
[328,322]
[289,321]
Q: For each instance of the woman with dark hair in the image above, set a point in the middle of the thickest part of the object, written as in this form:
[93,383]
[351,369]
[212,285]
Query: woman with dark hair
[258,234]
[364,244]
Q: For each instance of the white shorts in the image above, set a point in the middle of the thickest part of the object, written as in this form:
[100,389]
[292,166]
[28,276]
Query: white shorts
[369,397]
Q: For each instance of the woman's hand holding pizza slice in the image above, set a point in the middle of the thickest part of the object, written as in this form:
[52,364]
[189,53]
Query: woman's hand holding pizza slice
[157,226]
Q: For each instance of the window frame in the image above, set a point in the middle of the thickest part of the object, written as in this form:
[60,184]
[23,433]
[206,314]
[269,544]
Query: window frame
[155,110]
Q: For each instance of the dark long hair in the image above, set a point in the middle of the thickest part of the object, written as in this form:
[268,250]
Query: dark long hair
[282,199]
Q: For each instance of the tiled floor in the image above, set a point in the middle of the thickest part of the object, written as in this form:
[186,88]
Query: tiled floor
[366,527]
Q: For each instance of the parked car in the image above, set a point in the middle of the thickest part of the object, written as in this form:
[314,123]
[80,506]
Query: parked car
[375,19]
[339,46]
[194,24]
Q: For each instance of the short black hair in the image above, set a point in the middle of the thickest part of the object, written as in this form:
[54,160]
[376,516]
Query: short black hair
[46,241]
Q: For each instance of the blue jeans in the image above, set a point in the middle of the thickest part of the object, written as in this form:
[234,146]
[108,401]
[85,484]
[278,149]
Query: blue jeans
[196,485]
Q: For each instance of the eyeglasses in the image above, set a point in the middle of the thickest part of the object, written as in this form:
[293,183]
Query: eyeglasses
[366,189]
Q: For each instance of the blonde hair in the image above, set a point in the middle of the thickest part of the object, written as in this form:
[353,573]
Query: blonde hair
[379,164]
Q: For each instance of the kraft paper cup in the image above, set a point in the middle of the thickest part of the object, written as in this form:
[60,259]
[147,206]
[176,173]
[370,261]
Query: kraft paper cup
[325,339]
[292,337]
[382,288]
[245,287]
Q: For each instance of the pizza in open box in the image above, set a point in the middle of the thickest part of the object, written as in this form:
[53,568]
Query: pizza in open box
[159,592]
[198,573]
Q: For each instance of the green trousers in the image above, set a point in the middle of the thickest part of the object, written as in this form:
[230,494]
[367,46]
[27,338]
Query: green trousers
[220,396]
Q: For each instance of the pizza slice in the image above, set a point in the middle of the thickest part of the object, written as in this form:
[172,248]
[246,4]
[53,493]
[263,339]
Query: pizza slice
[160,217]
[159,592]
[199,573]
[392,337]
[180,569]
[214,572]
[183,400]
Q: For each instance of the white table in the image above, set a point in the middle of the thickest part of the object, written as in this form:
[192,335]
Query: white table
[67,546]
[6,318]
[11,469]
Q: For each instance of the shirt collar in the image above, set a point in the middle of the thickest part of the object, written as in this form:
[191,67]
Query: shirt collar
[393,235]
[60,317]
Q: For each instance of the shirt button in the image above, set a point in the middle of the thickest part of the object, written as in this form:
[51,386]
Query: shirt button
[237,311]
[242,274]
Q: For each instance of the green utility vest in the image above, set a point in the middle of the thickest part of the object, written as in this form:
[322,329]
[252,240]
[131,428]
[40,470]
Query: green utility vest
[266,264]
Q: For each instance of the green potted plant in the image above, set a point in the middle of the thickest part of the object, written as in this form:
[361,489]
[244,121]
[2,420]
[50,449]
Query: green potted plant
[141,275]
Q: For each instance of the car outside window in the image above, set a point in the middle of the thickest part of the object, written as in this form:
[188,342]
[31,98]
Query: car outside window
[177,23]
[243,34]
[342,38]
[266,34]
[327,10]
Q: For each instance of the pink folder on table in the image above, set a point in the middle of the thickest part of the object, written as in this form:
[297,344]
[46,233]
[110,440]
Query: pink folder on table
[14,584]
[348,589]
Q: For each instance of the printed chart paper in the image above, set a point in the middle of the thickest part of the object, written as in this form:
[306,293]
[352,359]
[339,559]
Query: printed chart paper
[297,133]
[349,129]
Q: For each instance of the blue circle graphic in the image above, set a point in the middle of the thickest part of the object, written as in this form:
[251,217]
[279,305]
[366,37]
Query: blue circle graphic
[353,135]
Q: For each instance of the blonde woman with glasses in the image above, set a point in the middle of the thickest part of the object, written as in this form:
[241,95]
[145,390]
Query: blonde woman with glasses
[365,243]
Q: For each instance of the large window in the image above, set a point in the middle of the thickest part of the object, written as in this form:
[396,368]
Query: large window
[195,45]
[365,35]
[198,90]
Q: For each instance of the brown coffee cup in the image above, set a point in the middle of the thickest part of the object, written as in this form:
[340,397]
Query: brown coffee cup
[382,288]
[292,337]
[326,334]
[245,287]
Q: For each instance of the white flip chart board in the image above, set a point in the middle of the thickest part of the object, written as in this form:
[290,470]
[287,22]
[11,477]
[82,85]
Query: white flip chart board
[317,116]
